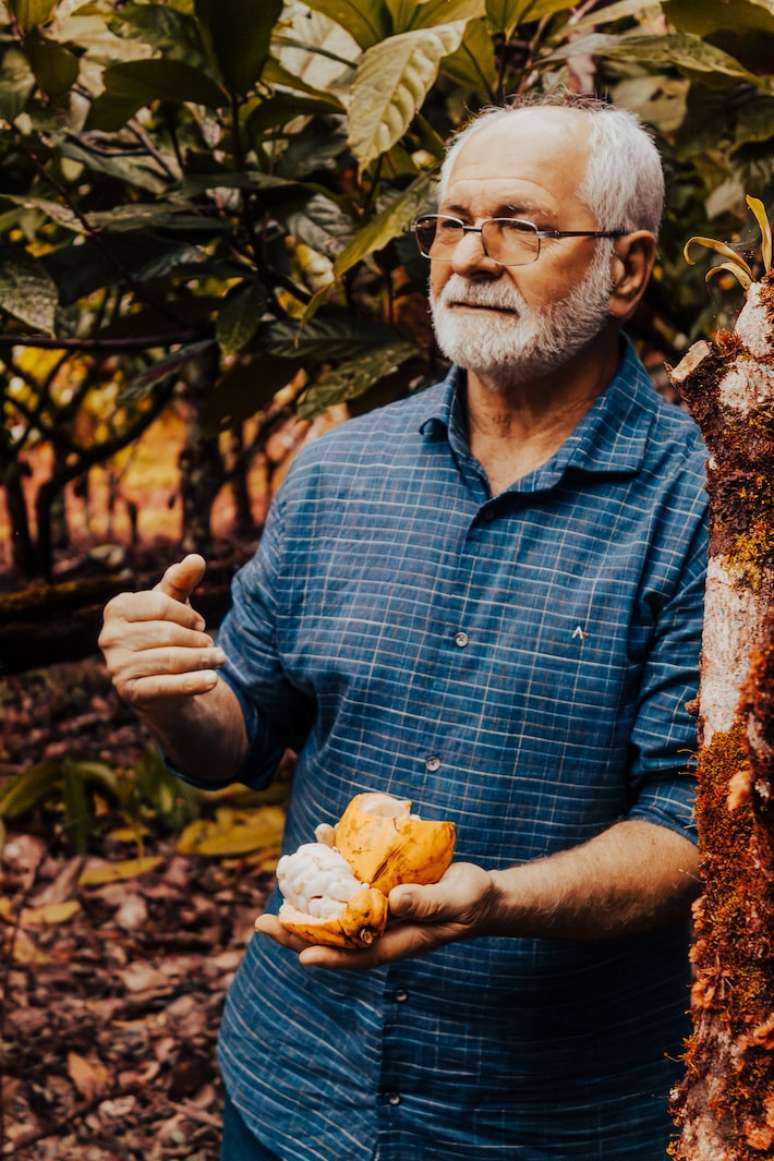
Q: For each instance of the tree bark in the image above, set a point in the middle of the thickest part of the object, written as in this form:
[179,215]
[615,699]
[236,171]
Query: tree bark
[724,1105]
[22,551]
[201,466]
[244,524]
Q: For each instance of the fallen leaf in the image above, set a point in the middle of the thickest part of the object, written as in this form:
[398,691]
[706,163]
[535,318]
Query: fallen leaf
[25,951]
[128,834]
[234,832]
[6,909]
[132,913]
[62,886]
[50,913]
[139,976]
[90,1077]
[113,872]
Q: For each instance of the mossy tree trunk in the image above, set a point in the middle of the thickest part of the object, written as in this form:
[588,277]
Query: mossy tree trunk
[724,1105]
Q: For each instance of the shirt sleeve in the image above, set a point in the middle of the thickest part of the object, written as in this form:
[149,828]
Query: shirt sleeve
[276,714]
[663,741]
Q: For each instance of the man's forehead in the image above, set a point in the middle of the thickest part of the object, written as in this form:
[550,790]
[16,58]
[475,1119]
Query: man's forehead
[538,154]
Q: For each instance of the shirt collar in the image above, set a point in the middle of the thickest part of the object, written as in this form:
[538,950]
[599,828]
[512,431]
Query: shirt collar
[611,436]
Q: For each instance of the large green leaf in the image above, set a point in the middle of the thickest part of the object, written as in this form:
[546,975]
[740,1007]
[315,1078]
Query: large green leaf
[394,219]
[354,378]
[473,65]
[505,16]
[275,73]
[711,15]
[27,788]
[284,107]
[27,290]
[690,54]
[319,222]
[334,335]
[134,172]
[30,13]
[366,21]
[443,12]
[108,113]
[246,387]
[240,33]
[240,316]
[162,80]
[54,66]
[617,11]
[144,383]
[391,83]
[164,28]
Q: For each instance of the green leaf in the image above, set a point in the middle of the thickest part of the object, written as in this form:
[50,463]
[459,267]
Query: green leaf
[27,788]
[164,28]
[27,290]
[284,107]
[143,215]
[353,378]
[366,21]
[335,335]
[710,16]
[162,80]
[134,172]
[54,66]
[443,12]
[473,65]
[719,248]
[690,54]
[239,317]
[247,387]
[108,113]
[240,33]
[391,83]
[17,82]
[741,276]
[30,13]
[319,222]
[617,11]
[394,219]
[144,383]
[78,813]
[275,73]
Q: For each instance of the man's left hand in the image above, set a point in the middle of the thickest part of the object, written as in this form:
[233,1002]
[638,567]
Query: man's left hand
[458,906]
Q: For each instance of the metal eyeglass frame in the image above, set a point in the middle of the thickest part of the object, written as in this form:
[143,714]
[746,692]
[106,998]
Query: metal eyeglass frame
[522,222]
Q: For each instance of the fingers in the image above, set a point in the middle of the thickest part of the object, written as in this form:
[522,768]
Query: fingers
[142,635]
[270,925]
[147,691]
[181,578]
[325,833]
[396,943]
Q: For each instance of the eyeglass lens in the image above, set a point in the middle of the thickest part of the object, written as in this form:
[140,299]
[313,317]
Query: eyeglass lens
[511,242]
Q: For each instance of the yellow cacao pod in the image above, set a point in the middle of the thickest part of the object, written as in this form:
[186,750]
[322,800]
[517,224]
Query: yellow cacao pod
[335,892]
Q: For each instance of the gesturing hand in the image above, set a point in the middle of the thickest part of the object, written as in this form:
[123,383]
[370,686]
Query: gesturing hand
[458,906]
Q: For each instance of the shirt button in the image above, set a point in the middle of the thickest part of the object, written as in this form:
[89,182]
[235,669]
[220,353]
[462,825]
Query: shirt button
[461,639]
[433,763]
[393,1098]
[401,995]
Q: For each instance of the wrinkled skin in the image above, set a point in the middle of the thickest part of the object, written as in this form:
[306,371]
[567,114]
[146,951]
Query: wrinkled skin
[422,918]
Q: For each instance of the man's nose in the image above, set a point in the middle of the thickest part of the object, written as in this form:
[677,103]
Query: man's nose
[470,259]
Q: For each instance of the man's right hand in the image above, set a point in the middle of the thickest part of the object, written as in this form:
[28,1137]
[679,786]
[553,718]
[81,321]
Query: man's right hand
[154,643]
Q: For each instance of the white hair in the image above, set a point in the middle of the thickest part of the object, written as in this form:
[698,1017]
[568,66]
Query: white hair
[624,183]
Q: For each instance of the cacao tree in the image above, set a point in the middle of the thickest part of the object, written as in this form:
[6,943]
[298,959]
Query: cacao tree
[725,1104]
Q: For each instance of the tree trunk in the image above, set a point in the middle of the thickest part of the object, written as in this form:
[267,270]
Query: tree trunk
[60,532]
[22,551]
[244,524]
[724,1105]
[200,462]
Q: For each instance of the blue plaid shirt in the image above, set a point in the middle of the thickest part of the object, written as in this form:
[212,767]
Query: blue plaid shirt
[519,664]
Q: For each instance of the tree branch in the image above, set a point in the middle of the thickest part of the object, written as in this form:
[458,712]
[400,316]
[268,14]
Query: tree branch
[138,343]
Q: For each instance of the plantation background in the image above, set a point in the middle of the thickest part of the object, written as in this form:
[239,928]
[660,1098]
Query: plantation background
[204,262]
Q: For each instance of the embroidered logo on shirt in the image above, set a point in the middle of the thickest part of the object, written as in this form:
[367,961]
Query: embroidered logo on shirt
[580,633]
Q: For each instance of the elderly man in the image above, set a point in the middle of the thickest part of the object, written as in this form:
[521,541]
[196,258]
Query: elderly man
[486,598]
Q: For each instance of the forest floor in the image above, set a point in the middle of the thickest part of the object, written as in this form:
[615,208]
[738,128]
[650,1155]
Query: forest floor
[112,992]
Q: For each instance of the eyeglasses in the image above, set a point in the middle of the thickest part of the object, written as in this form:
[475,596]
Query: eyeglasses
[507,241]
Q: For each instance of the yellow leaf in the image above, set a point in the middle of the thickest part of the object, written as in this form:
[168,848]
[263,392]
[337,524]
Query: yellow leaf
[115,872]
[128,834]
[234,832]
[6,910]
[742,278]
[264,860]
[720,248]
[50,913]
[25,951]
[758,208]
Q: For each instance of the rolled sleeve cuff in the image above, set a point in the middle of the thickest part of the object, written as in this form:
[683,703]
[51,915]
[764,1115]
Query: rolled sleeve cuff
[669,803]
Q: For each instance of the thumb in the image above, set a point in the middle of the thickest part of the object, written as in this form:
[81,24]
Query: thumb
[181,578]
[425,904]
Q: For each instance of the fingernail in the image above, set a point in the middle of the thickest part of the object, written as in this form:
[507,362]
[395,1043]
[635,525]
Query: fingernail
[210,675]
[200,623]
[219,655]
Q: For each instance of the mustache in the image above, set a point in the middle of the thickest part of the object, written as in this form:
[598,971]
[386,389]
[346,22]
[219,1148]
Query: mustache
[458,289]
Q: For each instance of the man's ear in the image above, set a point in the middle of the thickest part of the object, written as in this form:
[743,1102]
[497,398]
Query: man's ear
[631,266]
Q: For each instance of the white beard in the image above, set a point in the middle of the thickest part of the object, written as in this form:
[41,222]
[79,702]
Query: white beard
[512,348]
